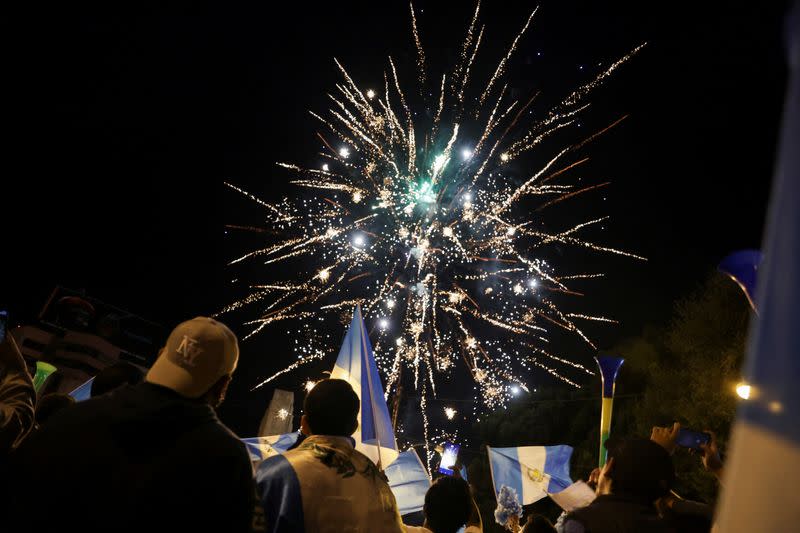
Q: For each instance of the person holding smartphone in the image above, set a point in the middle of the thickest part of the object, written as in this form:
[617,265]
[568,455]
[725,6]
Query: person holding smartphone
[683,514]
[701,442]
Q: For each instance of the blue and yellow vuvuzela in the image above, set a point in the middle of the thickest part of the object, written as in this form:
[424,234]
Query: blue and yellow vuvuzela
[609,366]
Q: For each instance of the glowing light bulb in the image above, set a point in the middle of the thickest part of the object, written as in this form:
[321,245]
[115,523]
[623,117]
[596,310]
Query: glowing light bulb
[511,230]
[357,197]
[398,341]
[467,198]
[447,231]
[504,157]
[344,152]
[282,414]
[383,323]
[466,153]
[532,283]
[358,240]
[518,289]
[515,389]
[390,304]
[449,412]
[370,94]
[325,167]
[743,390]
[324,274]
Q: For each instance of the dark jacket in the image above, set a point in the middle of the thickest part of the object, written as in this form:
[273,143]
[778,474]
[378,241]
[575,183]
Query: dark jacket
[612,513]
[139,459]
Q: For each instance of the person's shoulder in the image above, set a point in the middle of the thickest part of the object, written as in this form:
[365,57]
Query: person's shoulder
[225,439]
[275,475]
[573,526]
[84,415]
[273,467]
[574,520]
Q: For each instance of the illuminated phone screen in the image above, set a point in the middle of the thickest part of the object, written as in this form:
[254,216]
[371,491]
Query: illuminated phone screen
[449,457]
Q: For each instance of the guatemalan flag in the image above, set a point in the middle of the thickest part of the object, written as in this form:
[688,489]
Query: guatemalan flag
[760,484]
[409,482]
[532,471]
[260,448]
[83,392]
[356,364]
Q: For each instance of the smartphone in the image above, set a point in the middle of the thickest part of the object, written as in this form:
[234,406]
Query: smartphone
[3,325]
[692,439]
[449,458]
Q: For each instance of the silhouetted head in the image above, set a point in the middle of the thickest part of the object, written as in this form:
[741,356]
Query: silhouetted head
[331,408]
[448,504]
[637,467]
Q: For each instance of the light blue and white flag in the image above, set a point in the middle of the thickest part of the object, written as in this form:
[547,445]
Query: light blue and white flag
[532,471]
[760,471]
[83,392]
[356,364]
[409,481]
[260,448]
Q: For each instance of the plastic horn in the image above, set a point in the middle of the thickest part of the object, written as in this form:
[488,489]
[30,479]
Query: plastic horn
[43,371]
[609,367]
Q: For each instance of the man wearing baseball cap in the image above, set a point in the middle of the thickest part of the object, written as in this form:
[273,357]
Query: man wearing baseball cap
[152,456]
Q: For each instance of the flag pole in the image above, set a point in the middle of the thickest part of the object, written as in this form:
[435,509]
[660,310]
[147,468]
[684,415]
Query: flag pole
[369,384]
[397,397]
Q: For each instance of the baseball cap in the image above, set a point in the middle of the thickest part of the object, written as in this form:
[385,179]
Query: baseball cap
[198,352]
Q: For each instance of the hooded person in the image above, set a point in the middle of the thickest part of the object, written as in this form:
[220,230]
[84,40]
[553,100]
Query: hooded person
[152,456]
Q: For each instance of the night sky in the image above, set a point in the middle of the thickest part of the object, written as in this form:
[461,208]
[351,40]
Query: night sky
[126,124]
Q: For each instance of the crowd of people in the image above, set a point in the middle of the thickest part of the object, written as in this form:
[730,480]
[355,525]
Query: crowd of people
[147,452]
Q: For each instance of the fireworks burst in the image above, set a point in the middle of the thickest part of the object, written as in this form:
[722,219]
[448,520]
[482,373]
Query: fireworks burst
[420,215]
